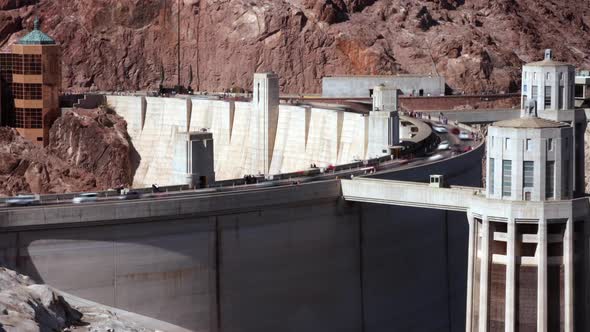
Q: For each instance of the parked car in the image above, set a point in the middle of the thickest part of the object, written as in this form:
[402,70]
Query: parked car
[440,129]
[85,198]
[23,200]
[444,145]
[130,195]
[464,135]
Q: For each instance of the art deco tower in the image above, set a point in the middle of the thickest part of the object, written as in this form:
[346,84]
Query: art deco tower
[528,241]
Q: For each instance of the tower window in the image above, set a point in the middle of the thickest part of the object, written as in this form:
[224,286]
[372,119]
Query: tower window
[561,92]
[28,117]
[548,76]
[579,91]
[528,167]
[529,144]
[32,64]
[566,178]
[506,143]
[547,96]
[491,176]
[506,178]
[550,179]
[535,92]
[550,144]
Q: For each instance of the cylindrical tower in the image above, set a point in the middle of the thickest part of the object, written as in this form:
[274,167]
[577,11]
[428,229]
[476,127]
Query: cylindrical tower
[528,243]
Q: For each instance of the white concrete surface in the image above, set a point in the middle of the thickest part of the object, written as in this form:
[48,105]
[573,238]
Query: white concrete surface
[301,137]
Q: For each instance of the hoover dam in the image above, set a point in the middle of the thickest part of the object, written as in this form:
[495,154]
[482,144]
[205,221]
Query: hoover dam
[367,241]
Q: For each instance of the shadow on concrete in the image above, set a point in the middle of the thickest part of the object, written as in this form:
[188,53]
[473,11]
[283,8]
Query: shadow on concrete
[134,158]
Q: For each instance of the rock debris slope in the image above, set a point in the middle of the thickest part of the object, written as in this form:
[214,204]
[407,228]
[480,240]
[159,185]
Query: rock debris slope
[478,45]
[29,307]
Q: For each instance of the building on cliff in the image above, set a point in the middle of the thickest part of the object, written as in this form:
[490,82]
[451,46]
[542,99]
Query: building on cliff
[31,79]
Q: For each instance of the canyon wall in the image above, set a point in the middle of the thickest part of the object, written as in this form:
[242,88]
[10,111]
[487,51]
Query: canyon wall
[476,45]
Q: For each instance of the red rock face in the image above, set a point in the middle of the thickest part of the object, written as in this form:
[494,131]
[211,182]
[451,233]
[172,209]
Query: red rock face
[95,141]
[88,151]
[476,45]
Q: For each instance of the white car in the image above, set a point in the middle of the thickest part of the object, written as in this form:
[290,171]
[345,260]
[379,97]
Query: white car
[23,200]
[444,145]
[84,198]
[435,157]
[440,129]
[464,135]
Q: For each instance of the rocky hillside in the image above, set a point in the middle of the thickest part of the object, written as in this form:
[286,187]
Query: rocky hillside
[97,142]
[87,151]
[478,45]
[29,307]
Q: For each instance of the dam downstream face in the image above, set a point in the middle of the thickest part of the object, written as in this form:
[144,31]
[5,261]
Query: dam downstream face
[303,136]
[318,266]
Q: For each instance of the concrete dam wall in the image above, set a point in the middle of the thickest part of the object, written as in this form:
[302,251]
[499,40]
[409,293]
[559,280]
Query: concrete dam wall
[287,258]
[303,136]
[293,258]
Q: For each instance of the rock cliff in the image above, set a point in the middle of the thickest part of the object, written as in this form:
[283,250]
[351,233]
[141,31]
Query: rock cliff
[88,150]
[477,45]
[97,142]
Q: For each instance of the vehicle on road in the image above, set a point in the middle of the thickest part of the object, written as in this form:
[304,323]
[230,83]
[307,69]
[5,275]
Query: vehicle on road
[440,129]
[85,198]
[464,135]
[444,145]
[130,195]
[23,200]
[435,157]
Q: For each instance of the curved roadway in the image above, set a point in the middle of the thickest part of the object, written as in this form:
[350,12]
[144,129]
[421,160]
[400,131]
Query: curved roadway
[429,157]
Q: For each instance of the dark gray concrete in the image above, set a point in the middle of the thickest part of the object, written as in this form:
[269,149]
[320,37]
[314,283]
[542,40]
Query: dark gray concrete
[294,258]
[414,269]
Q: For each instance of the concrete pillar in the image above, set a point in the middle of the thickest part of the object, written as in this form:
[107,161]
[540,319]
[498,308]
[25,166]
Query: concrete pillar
[383,121]
[585,255]
[568,263]
[511,244]
[471,254]
[484,276]
[266,110]
[542,276]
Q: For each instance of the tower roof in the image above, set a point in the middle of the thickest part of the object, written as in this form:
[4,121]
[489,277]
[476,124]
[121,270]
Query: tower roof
[529,122]
[36,37]
[548,61]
